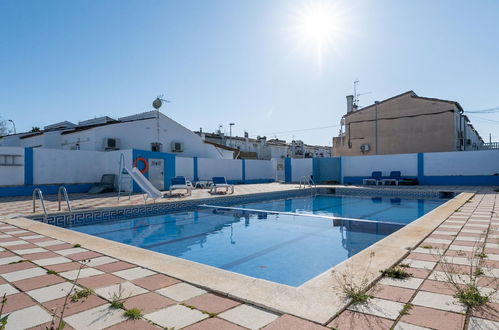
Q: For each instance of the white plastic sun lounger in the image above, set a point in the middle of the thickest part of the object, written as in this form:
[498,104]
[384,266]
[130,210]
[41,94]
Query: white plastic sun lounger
[221,182]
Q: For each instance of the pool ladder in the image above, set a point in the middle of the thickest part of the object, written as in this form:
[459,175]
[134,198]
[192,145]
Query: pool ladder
[307,180]
[40,196]
[62,191]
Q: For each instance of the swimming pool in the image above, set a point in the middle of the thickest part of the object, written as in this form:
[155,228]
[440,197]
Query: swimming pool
[288,241]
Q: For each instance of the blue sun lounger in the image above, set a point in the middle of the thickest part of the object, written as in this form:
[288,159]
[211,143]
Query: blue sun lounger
[180,182]
[375,178]
[394,177]
[221,182]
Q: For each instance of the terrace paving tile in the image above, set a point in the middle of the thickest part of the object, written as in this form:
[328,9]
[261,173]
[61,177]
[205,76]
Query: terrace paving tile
[14,242]
[60,246]
[430,317]
[51,261]
[74,307]
[286,322]
[39,256]
[94,282]
[248,316]
[482,324]
[23,274]
[51,242]
[10,260]
[379,307]
[51,292]
[63,267]
[7,289]
[28,317]
[127,290]
[216,324]
[96,318]
[30,251]
[73,250]
[181,291]
[489,311]
[115,266]
[408,326]
[77,273]
[155,282]
[134,273]
[84,255]
[354,320]
[392,293]
[408,283]
[423,256]
[100,261]
[148,302]
[5,254]
[38,282]
[439,301]
[134,325]
[8,268]
[212,303]
[428,265]
[18,301]
[34,238]
[176,316]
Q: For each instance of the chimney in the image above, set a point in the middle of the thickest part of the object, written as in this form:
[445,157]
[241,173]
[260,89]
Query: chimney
[349,103]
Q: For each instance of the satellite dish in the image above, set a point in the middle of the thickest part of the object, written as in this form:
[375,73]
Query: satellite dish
[157,103]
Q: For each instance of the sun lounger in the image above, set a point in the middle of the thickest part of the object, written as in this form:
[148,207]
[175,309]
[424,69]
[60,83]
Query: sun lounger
[180,182]
[106,184]
[221,182]
[394,177]
[375,178]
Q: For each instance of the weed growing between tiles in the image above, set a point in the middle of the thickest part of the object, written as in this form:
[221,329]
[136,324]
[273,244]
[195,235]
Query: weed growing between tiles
[118,298]
[355,290]
[396,272]
[72,294]
[133,314]
[465,285]
[3,319]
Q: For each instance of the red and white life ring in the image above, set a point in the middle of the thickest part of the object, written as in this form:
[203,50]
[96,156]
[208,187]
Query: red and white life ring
[144,161]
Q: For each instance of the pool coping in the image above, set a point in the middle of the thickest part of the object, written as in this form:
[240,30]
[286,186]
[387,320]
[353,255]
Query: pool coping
[318,299]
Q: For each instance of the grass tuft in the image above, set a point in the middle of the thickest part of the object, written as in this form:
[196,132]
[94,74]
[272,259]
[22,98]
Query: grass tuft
[77,245]
[395,272]
[50,271]
[426,246]
[133,314]
[117,304]
[404,265]
[471,297]
[481,255]
[79,294]
[405,310]
[17,262]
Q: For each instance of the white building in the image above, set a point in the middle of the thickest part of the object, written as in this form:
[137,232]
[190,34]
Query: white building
[147,131]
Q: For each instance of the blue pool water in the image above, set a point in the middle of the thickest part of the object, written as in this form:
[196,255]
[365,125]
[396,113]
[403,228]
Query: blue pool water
[285,248]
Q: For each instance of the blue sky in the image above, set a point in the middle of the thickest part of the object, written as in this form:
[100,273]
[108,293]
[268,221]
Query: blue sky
[242,61]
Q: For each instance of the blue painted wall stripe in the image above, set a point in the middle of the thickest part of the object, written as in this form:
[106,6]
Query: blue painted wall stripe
[316,170]
[287,170]
[341,170]
[196,176]
[243,169]
[420,167]
[28,166]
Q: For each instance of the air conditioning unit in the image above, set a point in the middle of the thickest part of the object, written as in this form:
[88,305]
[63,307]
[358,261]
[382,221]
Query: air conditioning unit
[156,146]
[177,147]
[111,144]
[364,148]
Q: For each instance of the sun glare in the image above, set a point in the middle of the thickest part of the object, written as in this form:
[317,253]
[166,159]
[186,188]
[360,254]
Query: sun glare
[318,26]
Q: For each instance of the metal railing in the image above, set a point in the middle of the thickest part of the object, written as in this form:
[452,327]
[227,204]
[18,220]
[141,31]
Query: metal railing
[40,196]
[307,180]
[490,146]
[120,177]
[66,198]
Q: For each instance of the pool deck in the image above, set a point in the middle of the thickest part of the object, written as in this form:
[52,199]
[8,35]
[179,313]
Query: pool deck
[176,293]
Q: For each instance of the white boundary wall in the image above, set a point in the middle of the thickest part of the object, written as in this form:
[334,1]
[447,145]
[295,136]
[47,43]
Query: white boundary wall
[51,166]
[365,165]
[12,175]
[258,169]
[231,169]
[184,166]
[484,162]
[300,168]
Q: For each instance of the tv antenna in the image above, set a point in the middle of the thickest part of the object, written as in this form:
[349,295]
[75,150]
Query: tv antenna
[158,102]
[355,94]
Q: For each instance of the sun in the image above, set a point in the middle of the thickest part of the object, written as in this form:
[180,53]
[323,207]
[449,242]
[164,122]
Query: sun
[318,26]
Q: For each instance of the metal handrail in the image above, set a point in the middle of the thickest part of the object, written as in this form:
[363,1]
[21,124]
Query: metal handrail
[65,192]
[40,195]
[307,180]
[120,176]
